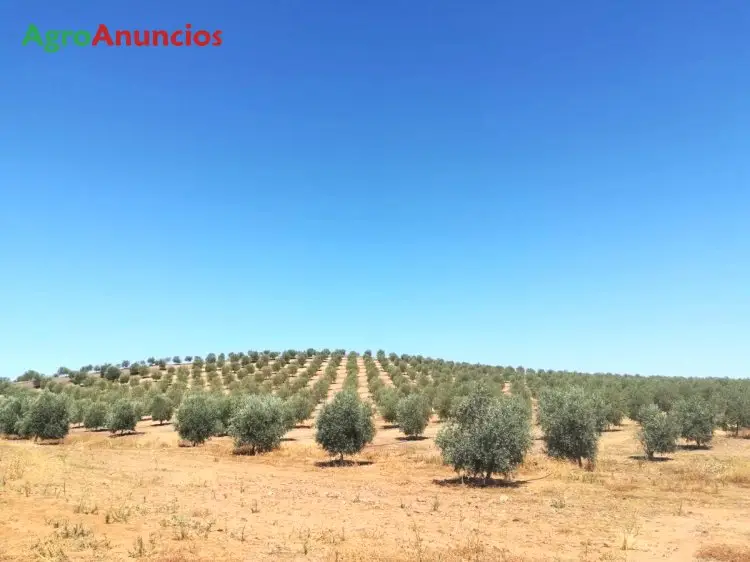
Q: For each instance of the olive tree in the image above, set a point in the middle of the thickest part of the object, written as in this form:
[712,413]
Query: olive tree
[111,373]
[12,412]
[223,408]
[258,424]
[300,407]
[695,418]
[122,417]
[161,408]
[95,416]
[345,425]
[176,392]
[615,403]
[196,418]
[659,431]
[47,417]
[443,402]
[413,414]
[601,411]
[737,410]
[571,424]
[638,397]
[77,410]
[387,400]
[486,435]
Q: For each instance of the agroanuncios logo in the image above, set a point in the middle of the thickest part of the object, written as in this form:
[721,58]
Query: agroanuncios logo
[54,39]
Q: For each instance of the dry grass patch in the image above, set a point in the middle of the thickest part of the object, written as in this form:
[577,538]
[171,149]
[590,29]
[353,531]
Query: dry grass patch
[702,474]
[724,553]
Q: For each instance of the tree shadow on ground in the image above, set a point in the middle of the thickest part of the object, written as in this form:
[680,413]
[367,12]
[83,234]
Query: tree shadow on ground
[390,426]
[288,438]
[693,447]
[303,426]
[458,482]
[127,434]
[50,442]
[612,429]
[245,451]
[160,424]
[336,463]
[412,438]
[645,458]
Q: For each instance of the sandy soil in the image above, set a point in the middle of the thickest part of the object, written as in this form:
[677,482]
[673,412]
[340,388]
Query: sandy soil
[96,497]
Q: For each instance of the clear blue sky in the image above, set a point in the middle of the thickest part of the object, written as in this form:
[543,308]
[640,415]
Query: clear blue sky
[550,184]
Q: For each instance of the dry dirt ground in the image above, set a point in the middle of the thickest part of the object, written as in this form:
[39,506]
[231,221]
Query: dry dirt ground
[141,496]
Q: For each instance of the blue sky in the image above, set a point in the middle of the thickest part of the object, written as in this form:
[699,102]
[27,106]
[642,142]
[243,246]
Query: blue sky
[548,184]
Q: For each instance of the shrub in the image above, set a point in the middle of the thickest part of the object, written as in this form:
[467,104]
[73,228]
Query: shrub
[111,373]
[196,418]
[161,408]
[122,417]
[47,417]
[413,414]
[571,424]
[695,418]
[344,425]
[659,431]
[388,404]
[486,435]
[95,416]
[30,376]
[258,424]
[79,377]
